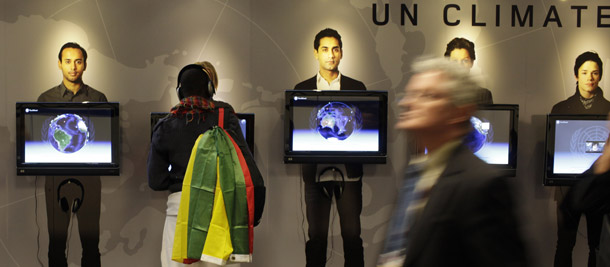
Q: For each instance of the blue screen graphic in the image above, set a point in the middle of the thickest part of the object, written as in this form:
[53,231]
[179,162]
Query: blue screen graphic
[72,137]
[491,135]
[327,125]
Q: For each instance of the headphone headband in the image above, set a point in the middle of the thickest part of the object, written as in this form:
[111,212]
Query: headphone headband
[63,201]
[209,71]
[329,188]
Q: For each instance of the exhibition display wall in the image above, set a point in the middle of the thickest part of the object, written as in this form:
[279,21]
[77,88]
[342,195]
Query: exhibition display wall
[525,54]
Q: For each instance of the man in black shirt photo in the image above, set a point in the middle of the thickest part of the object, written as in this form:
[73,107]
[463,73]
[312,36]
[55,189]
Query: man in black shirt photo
[73,63]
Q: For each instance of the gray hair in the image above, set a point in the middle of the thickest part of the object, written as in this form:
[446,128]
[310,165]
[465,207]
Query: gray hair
[462,86]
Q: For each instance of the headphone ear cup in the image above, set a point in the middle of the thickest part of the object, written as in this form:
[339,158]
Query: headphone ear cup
[211,88]
[63,203]
[76,204]
[327,188]
[178,93]
[332,187]
[339,189]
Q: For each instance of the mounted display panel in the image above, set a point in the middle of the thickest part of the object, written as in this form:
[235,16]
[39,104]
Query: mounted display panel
[246,122]
[68,138]
[494,136]
[573,143]
[335,126]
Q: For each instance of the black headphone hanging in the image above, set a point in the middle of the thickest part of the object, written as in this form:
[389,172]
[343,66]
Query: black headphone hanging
[63,201]
[211,88]
[330,188]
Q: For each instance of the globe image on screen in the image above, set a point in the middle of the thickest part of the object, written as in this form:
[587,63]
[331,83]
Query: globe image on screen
[336,120]
[67,133]
[480,134]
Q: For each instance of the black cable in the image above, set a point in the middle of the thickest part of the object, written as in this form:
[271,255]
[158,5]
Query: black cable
[36,218]
[71,224]
[302,209]
[331,224]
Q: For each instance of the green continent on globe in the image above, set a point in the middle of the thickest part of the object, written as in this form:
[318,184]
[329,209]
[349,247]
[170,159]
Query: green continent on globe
[62,138]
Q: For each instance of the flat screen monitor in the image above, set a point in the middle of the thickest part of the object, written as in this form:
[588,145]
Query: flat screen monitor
[573,143]
[246,122]
[335,126]
[67,139]
[494,136]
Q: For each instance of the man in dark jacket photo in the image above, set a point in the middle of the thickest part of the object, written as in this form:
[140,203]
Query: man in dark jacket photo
[328,50]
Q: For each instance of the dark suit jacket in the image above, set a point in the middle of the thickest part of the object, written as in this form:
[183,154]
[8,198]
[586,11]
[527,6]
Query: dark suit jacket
[484,96]
[572,105]
[469,219]
[347,83]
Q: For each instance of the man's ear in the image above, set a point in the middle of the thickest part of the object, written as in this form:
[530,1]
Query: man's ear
[85,66]
[59,64]
[315,53]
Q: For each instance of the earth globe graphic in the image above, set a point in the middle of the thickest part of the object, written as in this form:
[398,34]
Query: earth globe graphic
[336,120]
[480,134]
[67,133]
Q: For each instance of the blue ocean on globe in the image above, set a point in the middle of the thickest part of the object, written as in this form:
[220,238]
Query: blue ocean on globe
[336,120]
[67,133]
[479,134]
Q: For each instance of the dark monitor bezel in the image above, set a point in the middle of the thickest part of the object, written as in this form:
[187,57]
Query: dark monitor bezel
[510,168]
[336,157]
[66,169]
[561,179]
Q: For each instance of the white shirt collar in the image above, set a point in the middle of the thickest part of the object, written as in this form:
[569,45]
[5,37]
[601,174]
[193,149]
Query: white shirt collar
[322,84]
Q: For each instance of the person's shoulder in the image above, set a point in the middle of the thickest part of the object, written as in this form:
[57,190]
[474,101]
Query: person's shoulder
[484,96]
[49,95]
[351,83]
[159,129]
[604,106]
[160,122]
[479,176]
[51,90]
[96,94]
[603,99]
[308,84]
[350,79]
[224,105]
[561,107]
[221,104]
[473,165]
[93,90]
[568,105]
